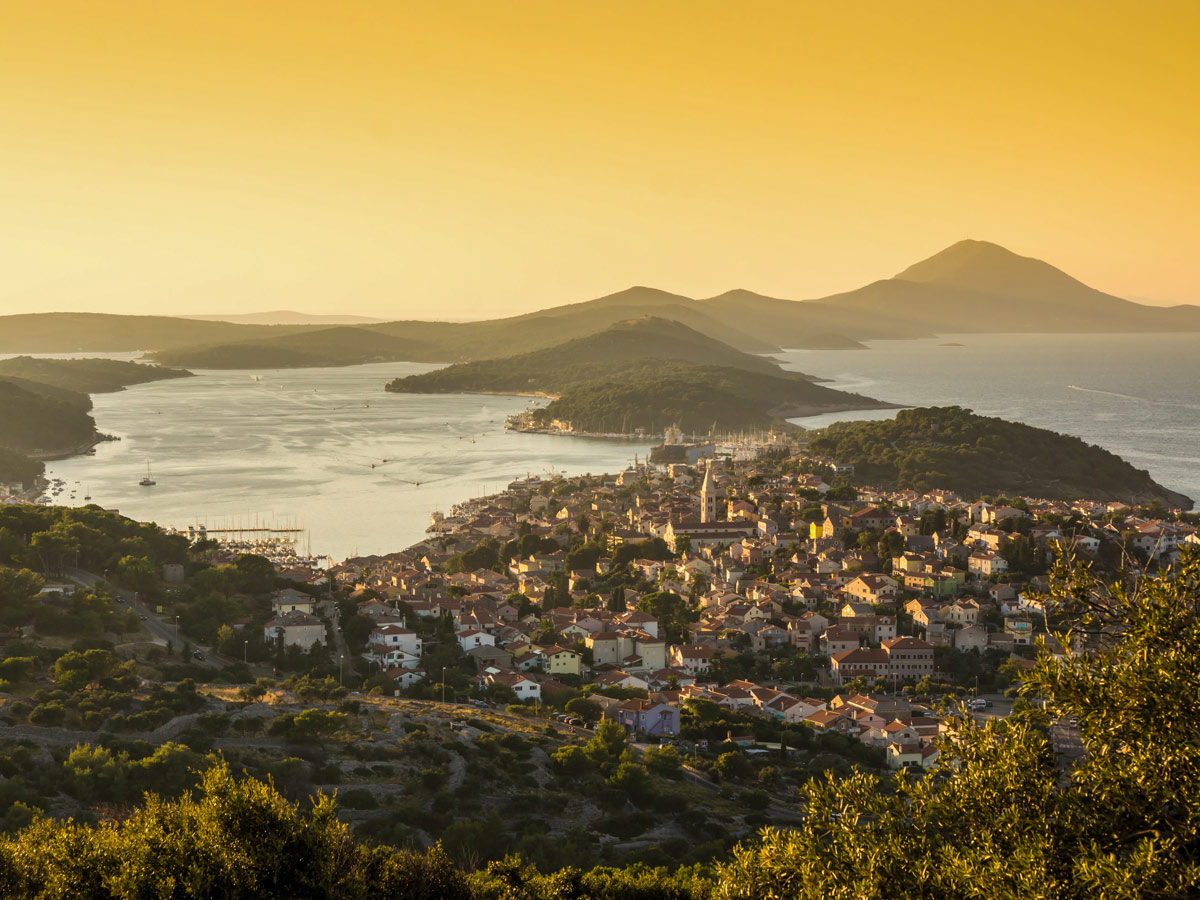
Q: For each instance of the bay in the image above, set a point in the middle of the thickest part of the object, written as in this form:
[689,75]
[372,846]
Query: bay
[326,449]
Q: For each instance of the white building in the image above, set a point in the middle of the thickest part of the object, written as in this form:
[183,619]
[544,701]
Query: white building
[295,628]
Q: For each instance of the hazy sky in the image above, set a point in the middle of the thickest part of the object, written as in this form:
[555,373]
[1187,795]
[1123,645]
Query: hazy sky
[454,158]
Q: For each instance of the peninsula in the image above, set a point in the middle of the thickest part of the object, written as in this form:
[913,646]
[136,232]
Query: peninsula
[45,407]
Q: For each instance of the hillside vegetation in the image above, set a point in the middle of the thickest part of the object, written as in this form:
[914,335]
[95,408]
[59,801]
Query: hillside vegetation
[554,369]
[101,332]
[952,448]
[17,467]
[698,399]
[88,376]
[1006,813]
[644,374]
[44,404]
[36,424]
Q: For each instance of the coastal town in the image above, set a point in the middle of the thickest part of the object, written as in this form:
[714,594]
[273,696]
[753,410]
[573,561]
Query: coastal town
[648,668]
[761,581]
[661,661]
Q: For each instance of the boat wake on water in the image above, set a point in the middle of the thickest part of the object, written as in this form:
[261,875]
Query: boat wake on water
[1075,387]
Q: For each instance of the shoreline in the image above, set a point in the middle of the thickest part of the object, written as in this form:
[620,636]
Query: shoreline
[79,450]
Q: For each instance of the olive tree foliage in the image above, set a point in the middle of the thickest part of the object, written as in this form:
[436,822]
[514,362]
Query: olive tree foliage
[239,840]
[1010,813]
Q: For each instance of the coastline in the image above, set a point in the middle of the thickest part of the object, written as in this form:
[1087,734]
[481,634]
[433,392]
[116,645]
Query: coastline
[78,450]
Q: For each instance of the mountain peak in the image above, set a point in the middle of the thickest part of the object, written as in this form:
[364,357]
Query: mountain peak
[989,268]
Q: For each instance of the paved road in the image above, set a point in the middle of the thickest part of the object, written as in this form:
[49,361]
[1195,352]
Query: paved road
[156,626]
[339,640]
[1000,708]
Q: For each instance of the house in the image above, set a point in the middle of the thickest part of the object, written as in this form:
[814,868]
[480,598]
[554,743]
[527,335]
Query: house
[404,678]
[638,620]
[558,660]
[472,638]
[1020,628]
[490,656]
[692,658]
[973,637]
[295,629]
[839,639]
[910,755]
[648,717]
[909,657]
[522,685]
[606,648]
[394,645]
[861,661]
[791,709]
[620,679]
[826,721]
[289,600]
[987,563]
[872,588]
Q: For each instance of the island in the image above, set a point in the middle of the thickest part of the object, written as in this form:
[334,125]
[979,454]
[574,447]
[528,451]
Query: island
[644,375]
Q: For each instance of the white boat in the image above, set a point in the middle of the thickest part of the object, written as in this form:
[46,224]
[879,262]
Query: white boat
[147,481]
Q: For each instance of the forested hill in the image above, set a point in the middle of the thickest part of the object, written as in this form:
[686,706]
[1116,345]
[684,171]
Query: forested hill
[343,345]
[36,424]
[44,403]
[953,448]
[647,374]
[553,369]
[89,376]
[65,332]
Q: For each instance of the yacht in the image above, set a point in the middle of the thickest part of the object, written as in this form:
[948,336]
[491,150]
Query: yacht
[147,481]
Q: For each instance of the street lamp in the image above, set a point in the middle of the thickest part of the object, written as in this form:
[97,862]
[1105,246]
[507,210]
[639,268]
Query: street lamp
[443,685]
[246,652]
[177,629]
[341,656]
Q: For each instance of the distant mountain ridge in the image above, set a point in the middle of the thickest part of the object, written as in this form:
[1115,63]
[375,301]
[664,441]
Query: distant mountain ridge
[969,287]
[285,317]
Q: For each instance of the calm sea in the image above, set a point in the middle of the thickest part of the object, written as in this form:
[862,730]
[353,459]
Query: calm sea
[326,449]
[361,469]
[1136,395]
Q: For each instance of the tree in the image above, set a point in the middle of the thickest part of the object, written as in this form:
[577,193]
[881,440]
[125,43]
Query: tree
[74,670]
[588,710]
[616,601]
[137,572]
[257,573]
[607,743]
[235,839]
[1012,812]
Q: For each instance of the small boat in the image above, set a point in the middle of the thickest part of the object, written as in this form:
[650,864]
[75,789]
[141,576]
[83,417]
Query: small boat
[147,481]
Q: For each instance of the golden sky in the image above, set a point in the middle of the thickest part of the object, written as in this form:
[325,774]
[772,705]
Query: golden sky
[459,158]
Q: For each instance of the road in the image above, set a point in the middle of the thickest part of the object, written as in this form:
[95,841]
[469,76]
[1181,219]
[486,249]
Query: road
[339,640]
[159,629]
[1000,708]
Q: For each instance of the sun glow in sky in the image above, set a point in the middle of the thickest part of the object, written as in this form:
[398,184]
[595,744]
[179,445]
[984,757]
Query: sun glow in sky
[477,157]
